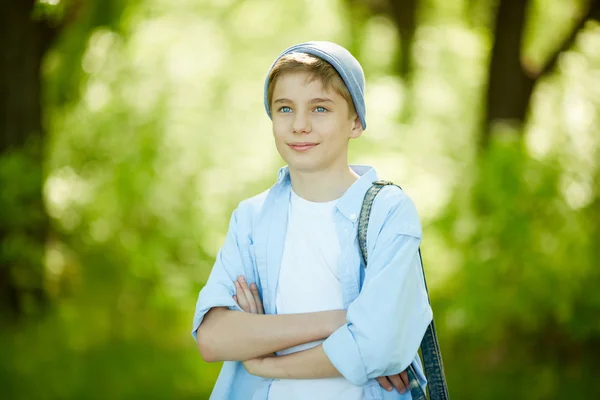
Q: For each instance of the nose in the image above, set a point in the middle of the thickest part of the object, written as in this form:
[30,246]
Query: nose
[301,123]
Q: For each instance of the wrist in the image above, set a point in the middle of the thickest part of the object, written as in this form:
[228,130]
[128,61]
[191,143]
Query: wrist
[264,367]
[336,320]
[259,366]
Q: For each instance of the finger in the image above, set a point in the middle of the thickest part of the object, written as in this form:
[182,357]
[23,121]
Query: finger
[385,383]
[241,297]
[404,377]
[397,382]
[248,294]
[257,300]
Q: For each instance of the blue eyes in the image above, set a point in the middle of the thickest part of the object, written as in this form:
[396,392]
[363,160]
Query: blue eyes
[286,109]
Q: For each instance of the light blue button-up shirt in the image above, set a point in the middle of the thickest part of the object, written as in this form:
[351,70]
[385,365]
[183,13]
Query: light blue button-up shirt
[387,306]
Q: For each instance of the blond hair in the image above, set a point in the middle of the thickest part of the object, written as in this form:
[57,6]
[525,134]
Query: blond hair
[317,68]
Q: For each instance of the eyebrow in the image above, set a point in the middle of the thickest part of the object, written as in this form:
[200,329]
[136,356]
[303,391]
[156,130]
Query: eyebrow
[313,101]
[321,100]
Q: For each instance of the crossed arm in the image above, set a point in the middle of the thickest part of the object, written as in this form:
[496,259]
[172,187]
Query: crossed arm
[360,346]
[264,334]
[227,335]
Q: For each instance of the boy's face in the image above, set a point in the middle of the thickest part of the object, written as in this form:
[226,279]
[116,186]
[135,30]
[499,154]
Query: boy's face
[311,125]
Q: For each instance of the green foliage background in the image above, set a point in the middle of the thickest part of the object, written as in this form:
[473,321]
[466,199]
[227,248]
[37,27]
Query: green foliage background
[157,131]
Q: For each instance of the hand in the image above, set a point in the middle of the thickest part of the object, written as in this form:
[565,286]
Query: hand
[399,381]
[248,298]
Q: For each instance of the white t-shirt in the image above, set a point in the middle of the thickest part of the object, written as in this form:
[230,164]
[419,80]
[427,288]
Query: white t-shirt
[308,282]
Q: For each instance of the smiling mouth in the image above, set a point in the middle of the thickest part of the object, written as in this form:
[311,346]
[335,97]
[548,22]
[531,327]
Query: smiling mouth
[302,146]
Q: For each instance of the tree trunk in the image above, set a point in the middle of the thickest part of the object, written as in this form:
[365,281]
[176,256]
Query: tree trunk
[510,84]
[23,220]
[509,88]
[404,14]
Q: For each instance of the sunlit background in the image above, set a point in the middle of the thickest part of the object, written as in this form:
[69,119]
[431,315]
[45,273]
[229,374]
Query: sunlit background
[115,195]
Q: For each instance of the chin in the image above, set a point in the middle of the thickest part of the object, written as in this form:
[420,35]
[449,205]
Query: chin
[306,163]
[305,167]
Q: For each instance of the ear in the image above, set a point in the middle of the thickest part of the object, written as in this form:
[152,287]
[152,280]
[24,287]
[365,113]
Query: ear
[357,128]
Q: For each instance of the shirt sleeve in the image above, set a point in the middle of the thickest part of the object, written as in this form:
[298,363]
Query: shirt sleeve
[388,319]
[219,289]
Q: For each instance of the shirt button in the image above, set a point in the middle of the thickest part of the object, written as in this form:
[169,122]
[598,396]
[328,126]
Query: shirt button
[352,217]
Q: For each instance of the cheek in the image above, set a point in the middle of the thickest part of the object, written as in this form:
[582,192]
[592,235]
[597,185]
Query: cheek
[332,125]
[279,126]
[279,138]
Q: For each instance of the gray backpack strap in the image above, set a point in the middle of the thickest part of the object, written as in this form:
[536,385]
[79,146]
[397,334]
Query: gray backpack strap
[430,348]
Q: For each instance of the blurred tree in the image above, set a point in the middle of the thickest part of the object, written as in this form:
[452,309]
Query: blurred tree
[29,29]
[404,13]
[511,78]
[404,16]
[23,221]
[509,87]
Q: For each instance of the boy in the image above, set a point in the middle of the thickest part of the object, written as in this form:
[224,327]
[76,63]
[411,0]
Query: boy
[340,330]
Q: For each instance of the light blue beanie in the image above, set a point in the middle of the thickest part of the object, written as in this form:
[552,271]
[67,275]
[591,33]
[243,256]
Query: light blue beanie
[344,63]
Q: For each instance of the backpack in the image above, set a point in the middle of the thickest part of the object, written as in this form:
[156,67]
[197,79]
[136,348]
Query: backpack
[430,348]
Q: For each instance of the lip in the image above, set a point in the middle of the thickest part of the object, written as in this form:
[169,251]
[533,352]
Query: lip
[302,146]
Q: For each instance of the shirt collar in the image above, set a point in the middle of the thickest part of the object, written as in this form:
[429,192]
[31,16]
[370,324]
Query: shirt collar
[351,201]
[283,175]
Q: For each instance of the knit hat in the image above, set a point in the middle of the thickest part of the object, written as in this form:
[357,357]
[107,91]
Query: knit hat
[344,63]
